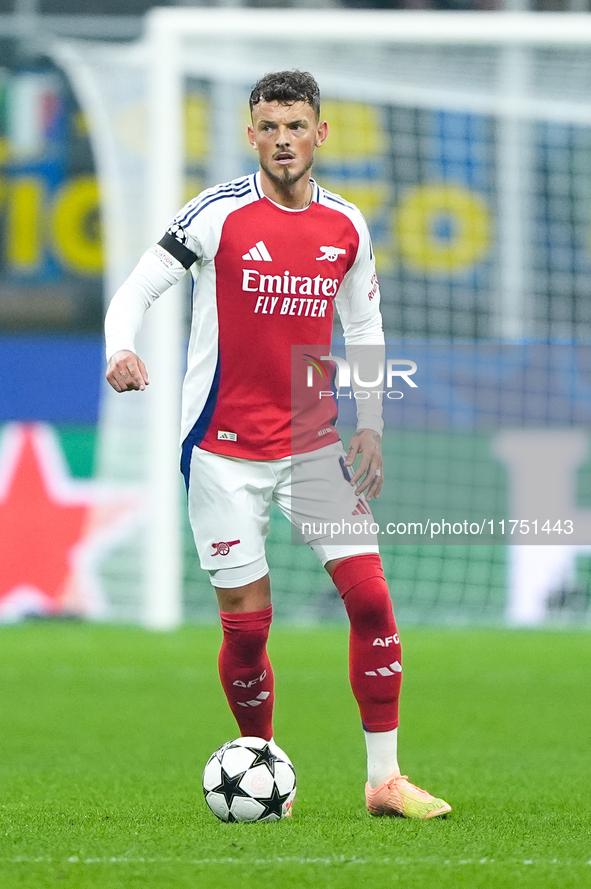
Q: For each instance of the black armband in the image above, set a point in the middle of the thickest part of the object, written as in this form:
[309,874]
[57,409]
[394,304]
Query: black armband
[172,242]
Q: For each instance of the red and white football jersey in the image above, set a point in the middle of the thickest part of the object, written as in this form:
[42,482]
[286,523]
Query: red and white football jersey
[266,279]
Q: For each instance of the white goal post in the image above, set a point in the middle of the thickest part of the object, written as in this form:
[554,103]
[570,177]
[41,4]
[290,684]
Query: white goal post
[487,63]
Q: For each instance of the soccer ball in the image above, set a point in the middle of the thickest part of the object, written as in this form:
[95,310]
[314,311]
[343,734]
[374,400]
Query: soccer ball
[249,779]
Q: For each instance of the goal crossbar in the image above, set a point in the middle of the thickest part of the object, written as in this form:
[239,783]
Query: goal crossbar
[372,26]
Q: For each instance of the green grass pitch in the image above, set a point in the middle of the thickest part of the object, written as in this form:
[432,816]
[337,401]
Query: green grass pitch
[104,732]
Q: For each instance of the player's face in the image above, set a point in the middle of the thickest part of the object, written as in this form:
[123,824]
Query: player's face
[285,137]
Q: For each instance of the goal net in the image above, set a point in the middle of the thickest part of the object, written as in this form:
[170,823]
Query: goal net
[464,138]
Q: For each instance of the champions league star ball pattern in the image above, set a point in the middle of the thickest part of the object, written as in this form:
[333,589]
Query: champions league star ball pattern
[178,232]
[249,779]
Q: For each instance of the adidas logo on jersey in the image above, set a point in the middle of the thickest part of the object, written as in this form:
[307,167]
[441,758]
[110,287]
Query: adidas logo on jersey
[258,253]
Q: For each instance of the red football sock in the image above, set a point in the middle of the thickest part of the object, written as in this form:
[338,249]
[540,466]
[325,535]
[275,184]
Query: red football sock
[375,655]
[246,672]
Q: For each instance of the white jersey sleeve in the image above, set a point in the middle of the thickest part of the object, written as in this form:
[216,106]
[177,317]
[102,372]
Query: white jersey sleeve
[162,266]
[156,271]
[358,305]
[358,299]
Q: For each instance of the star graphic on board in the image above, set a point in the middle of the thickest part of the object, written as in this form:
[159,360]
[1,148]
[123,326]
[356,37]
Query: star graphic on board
[53,528]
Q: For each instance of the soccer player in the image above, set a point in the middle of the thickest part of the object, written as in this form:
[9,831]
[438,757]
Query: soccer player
[271,255]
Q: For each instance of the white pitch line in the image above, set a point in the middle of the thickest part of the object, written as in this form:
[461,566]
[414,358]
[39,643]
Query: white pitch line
[339,859]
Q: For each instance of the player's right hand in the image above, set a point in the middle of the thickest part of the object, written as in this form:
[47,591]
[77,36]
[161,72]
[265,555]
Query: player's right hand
[125,372]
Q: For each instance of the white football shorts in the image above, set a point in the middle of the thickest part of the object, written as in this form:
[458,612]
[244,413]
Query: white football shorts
[230,500]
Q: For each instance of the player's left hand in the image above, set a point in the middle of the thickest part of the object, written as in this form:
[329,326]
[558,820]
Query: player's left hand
[368,478]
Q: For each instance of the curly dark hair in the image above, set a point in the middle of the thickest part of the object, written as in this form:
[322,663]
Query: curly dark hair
[286,87]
